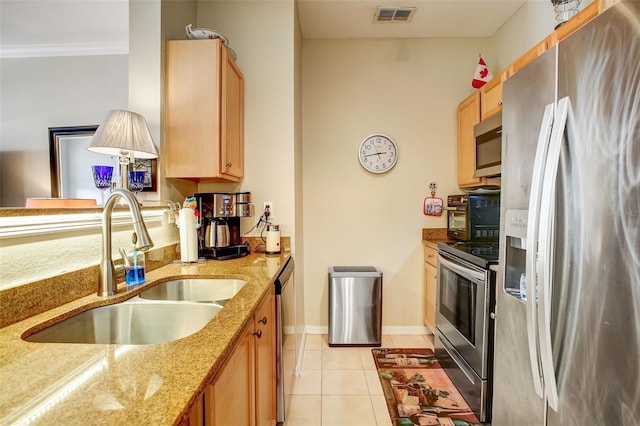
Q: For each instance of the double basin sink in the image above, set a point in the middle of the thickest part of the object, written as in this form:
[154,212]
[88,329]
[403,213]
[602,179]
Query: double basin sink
[168,311]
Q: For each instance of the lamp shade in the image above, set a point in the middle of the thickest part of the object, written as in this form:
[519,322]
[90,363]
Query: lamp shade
[124,133]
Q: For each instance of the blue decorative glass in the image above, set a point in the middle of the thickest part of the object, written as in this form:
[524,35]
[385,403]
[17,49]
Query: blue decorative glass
[102,178]
[136,180]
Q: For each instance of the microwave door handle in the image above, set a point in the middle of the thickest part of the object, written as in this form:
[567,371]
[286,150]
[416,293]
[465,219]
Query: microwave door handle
[533,218]
[461,270]
[545,262]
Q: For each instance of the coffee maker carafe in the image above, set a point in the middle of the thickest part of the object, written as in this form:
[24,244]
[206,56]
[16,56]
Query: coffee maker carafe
[216,233]
[219,236]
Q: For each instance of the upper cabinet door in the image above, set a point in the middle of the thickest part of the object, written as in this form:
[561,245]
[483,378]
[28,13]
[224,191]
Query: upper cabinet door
[468,116]
[232,148]
[491,97]
[204,113]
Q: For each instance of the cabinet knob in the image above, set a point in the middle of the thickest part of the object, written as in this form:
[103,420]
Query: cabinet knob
[258,333]
[263,320]
[229,164]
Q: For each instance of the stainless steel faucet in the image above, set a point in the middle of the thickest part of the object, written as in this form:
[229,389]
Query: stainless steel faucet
[109,273]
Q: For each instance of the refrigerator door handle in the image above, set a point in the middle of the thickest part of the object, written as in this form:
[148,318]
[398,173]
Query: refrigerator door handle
[533,218]
[545,262]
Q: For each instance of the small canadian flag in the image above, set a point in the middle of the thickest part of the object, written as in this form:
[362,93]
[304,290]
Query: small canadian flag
[482,74]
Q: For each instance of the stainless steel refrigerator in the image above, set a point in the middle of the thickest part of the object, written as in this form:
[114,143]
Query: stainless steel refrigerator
[567,342]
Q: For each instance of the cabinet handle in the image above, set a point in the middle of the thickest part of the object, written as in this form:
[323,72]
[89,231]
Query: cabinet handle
[258,333]
[263,320]
[228,164]
[499,103]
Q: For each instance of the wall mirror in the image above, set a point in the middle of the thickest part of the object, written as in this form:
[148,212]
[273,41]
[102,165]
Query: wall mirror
[70,163]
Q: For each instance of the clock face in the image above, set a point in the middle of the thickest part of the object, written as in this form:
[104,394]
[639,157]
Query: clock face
[378,153]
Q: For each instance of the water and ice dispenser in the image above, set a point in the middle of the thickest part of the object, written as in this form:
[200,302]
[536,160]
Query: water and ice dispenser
[515,243]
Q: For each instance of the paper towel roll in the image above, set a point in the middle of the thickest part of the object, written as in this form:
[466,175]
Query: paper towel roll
[188,235]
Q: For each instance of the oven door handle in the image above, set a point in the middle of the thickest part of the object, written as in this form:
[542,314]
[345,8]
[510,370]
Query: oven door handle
[476,276]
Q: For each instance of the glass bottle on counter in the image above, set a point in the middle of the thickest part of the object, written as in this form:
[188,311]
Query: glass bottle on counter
[136,273]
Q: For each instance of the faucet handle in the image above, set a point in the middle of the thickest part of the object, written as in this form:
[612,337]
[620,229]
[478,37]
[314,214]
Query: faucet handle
[124,268]
[125,259]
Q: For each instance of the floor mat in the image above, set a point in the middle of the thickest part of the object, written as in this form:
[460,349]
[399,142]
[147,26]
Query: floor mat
[418,391]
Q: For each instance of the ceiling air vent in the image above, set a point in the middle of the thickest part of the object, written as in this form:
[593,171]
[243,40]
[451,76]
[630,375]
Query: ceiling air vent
[393,14]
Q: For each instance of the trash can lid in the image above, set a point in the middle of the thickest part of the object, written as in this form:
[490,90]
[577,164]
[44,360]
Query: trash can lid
[354,269]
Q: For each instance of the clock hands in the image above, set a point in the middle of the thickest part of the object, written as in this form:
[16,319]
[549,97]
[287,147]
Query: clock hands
[380,146]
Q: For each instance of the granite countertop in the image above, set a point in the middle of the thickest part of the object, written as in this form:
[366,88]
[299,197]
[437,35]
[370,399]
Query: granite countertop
[432,236]
[56,383]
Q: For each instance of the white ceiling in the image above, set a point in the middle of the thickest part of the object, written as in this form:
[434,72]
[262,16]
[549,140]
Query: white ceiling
[432,18]
[76,27]
[34,27]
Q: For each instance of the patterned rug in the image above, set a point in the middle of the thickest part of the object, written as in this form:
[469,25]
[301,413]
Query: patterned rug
[418,391]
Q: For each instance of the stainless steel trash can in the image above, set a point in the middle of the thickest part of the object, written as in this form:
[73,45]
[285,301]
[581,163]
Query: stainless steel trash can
[355,306]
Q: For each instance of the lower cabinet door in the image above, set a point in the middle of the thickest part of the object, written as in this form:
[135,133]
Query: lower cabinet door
[265,334]
[431,287]
[231,399]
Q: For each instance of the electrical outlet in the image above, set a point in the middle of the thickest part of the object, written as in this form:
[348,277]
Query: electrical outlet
[268,205]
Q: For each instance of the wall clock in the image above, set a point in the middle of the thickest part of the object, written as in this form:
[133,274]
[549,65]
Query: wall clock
[378,153]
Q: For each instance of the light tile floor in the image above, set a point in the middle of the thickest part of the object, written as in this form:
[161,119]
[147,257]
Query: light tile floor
[339,386]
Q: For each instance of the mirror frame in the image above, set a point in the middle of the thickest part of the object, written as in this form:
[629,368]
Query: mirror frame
[56,133]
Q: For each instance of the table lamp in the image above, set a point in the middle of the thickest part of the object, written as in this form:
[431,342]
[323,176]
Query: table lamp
[126,135]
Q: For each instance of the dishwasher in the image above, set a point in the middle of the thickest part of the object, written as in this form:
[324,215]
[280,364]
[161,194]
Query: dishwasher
[285,310]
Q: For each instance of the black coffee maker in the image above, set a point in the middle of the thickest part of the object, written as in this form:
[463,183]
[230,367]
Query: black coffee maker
[219,236]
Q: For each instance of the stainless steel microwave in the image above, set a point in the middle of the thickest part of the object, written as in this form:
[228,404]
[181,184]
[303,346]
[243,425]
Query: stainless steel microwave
[488,146]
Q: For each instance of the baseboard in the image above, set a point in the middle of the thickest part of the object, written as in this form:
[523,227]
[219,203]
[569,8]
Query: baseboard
[386,329]
[300,358]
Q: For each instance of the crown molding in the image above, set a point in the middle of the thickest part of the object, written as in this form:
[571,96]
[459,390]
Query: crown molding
[63,49]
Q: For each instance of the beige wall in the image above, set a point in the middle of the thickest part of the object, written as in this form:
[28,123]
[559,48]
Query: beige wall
[529,25]
[262,35]
[308,106]
[409,90]
[38,93]
[48,254]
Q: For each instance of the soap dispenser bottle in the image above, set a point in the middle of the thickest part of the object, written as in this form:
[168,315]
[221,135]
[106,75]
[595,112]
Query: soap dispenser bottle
[135,261]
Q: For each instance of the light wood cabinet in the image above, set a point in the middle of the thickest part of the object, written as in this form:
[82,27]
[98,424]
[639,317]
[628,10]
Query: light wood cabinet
[232,396]
[488,99]
[196,415]
[204,122]
[528,57]
[430,286]
[244,391]
[491,97]
[468,116]
[585,15]
[265,332]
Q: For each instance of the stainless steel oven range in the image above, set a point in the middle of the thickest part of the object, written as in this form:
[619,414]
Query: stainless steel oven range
[464,320]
